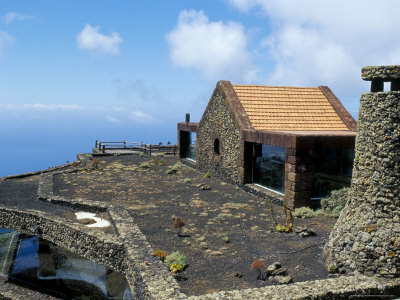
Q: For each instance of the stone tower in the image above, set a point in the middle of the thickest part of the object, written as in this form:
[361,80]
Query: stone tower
[366,237]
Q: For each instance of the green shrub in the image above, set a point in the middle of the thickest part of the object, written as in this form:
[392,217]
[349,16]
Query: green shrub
[160,154]
[144,165]
[203,245]
[170,171]
[158,162]
[306,212]
[175,258]
[332,269]
[335,202]
[226,239]
[176,166]
[207,175]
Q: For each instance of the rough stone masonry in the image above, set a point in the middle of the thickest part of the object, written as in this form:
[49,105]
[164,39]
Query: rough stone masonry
[366,237]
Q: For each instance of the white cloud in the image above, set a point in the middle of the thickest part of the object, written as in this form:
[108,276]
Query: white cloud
[5,40]
[314,42]
[246,5]
[14,16]
[218,50]
[140,116]
[91,39]
[113,114]
[53,107]
[113,120]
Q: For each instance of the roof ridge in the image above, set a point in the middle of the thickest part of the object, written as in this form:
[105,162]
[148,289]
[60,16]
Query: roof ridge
[274,86]
[294,108]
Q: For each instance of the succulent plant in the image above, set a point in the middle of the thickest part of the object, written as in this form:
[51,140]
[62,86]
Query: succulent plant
[258,265]
[178,224]
[160,253]
[175,258]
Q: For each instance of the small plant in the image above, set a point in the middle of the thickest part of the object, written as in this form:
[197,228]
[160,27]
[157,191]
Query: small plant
[207,175]
[144,165]
[170,171]
[177,166]
[258,265]
[226,239]
[333,269]
[203,245]
[174,168]
[178,224]
[288,219]
[95,162]
[160,154]
[175,258]
[160,253]
[158,162]
[282,228]
[175,268]
[187,180]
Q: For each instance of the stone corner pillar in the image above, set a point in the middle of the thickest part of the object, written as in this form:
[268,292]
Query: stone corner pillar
[366,237]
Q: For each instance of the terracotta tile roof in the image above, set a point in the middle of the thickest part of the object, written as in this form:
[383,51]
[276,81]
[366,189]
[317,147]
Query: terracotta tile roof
[288,108]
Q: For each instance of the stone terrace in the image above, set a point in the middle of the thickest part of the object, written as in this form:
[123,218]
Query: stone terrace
[226,229]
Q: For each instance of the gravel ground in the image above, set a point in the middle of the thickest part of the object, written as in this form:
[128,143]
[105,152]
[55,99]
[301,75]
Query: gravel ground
[226,228]
[21,193]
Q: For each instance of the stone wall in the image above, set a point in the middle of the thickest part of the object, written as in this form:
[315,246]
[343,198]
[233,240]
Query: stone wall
[366,237]
[298,178]
[219,123]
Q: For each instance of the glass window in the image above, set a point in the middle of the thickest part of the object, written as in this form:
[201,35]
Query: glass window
[191,153]
[332,170]
[269,167]
[216,147]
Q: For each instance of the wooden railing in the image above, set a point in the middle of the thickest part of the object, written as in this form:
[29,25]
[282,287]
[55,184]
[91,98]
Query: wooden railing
[135,146]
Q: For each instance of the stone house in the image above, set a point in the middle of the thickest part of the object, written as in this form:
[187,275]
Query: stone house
[293,143]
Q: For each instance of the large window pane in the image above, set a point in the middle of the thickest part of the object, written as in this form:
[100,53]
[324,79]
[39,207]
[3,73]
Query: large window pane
[191,153]
[332,170]
[269,167]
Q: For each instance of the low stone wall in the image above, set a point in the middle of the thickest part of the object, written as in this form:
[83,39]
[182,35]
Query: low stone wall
[147,274]
[337,288]
[93,244]
[9,291]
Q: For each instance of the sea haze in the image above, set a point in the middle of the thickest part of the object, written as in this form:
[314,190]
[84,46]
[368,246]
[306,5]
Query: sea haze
[27,147]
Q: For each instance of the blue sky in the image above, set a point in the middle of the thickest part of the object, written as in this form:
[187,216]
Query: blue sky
[72,71]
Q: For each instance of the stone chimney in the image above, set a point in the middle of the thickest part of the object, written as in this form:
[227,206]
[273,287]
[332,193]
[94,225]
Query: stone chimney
[366,237]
